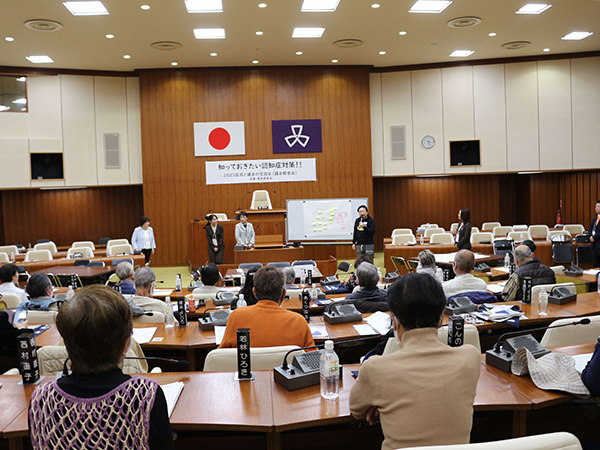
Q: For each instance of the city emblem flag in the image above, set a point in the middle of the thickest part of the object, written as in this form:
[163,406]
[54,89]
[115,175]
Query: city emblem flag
[297,136]
[219,139]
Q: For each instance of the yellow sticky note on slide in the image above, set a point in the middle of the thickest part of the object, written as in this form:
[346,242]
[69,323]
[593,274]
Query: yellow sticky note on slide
[314,224]
[314,230]
[330,220]
[320,229]
[324,226]
[320,211]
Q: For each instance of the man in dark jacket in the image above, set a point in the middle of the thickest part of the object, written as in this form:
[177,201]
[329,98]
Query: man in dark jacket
[528,266]
[595,236]
[369,298]
[364,229]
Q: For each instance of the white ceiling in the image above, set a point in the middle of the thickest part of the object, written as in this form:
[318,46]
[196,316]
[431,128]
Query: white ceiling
[82,44]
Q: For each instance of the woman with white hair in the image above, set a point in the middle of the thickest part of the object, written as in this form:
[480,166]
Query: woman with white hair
[427,265]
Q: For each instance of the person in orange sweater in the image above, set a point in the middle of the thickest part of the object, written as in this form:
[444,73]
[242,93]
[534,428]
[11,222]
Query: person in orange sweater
[270,324]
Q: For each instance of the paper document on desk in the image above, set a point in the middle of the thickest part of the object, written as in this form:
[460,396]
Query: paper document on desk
[143,335]
[502,269]
[318,329]
[493,313]
[162,292]
[172,392]
[581,361]
[380,322]
[495,288]
[593,272]
[364,329]
[219,333]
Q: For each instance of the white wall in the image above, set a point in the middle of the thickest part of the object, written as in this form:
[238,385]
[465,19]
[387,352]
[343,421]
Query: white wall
[68,114]
[528,116]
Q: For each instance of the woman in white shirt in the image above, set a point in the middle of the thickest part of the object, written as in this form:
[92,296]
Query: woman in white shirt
[143,238]
[244,232]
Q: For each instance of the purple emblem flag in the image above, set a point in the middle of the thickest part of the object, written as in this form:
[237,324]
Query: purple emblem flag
[297,136]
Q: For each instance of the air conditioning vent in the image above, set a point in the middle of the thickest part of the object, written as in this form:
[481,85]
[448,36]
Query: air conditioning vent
[464,22]
[165,45]
[516,45]
[398,141]
[43,25]
[348,43]
[112,158]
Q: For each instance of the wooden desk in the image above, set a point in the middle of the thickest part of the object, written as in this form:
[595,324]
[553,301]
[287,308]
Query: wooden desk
[267,255]
[81,271]
[266,221]
[316,275]
[31,267]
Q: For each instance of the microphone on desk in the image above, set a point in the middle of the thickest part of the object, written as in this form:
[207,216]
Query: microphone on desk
[182,362]
[501,356]
[217,316]
[342,311]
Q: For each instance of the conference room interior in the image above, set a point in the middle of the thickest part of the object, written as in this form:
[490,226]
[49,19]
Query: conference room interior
[534,113]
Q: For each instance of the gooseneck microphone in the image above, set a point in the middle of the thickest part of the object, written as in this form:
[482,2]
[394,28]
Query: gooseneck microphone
[242,202]
[182,362]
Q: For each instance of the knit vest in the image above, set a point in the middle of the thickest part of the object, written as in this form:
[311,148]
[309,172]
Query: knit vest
[119,419]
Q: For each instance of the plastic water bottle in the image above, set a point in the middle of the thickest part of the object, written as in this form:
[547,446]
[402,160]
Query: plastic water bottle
[303,277]
[506,261]
[543,303]
[330,372]
[422,239]
[379,274]
[598,280]
[178,282]
[70,292]
[169,318]
[241,302]
[314,295]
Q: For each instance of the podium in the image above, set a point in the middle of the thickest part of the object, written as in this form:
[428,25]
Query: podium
[266,221]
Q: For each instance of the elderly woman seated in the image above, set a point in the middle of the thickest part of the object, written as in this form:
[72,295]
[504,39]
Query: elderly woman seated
[39,288]
[427,265]
[369,298]
[97,404]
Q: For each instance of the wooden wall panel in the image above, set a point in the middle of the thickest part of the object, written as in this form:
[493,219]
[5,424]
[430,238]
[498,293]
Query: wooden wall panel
[174,180]
[71,215]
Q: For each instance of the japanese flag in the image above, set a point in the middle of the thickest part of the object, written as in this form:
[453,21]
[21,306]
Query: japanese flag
[219,138]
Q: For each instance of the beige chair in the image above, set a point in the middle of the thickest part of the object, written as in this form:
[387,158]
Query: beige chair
[4,258]
[116,242]
[38,255]
[573,229]
[471,338]
[46,246]
[156,317]
[539,230]
[261,199]
[551,441]
[454,227]
[13,371]
[489,226]
[431,231]
[475,230]
[404,239]
[442,238]
[576,334]
[501,231]
[11,300]
[553,233]
[86,252]
[520,227]
[535,290]
[120,249]
[429,225]
[478,238]
[519,236]
[221,216]
[79,244]
[262,358]
[558,270]
[36,316]
[397,231]
[8,249]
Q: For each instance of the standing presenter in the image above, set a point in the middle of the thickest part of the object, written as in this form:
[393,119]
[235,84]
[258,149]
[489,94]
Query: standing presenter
[594,232]
[364,230]
[214,236]
[244,232]
[143,239]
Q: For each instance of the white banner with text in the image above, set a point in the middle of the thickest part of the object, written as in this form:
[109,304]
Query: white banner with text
[261,171]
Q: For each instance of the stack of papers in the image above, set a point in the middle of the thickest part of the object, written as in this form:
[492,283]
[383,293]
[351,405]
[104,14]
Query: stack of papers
[591,272]
[365,329]
[581,361]
[495,288]
[502,269]
[497,313]
[318,329]
[172,392]
[219,333]
[143,335]
[161,292]
[380,322]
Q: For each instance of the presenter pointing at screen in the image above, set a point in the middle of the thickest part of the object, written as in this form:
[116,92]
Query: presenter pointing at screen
[364,229]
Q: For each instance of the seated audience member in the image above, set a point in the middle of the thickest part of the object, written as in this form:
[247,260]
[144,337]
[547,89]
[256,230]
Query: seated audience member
[39,288]
[209,275]
[403,389]
[591,374]
[97,403]
[527,266]
[290,277]
[124,271]
[369,298]
[270,325]
[247,290]
[145,281]
[8,331]
[427,265]
[9,276]
[529,243]
[464,281]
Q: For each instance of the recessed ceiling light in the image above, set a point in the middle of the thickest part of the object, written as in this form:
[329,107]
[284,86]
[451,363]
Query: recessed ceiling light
[256,61]
[334,61]
[533,8]
[313,32]
[298,53]
[429,6]
[9,38]
[39,59]
[213,54]
[92,8]
[22,79]
[382,53]
[461,53]
[319,5]
[110,36]
[209,33]
[402,33]
[546,50]
[204,6]
[20,101]
[145,7]
[262,5]
[174,63]
[375,5]
[576,35]
[491,34]
[259,33]
[126,56]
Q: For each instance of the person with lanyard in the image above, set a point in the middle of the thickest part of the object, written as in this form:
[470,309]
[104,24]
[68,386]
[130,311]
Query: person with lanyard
[214,235]
[143,239]
[463,234]
[594,232]
[364,229]
[244,232]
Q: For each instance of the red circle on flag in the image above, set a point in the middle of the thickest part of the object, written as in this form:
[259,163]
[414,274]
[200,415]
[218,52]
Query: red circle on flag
[219,138]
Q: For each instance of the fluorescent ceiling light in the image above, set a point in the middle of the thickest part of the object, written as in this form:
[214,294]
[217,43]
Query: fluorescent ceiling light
[429,6]
[22,79]
[533,8]
[319,5]
[39,59]
[20,101]
[314,32]
[93,8]
[204,6]
[209,33]
[576,35]
[461,53]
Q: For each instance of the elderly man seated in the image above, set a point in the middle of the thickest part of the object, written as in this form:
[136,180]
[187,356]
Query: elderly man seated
[145,280]
[464,281]
[369,298]
[527,266]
